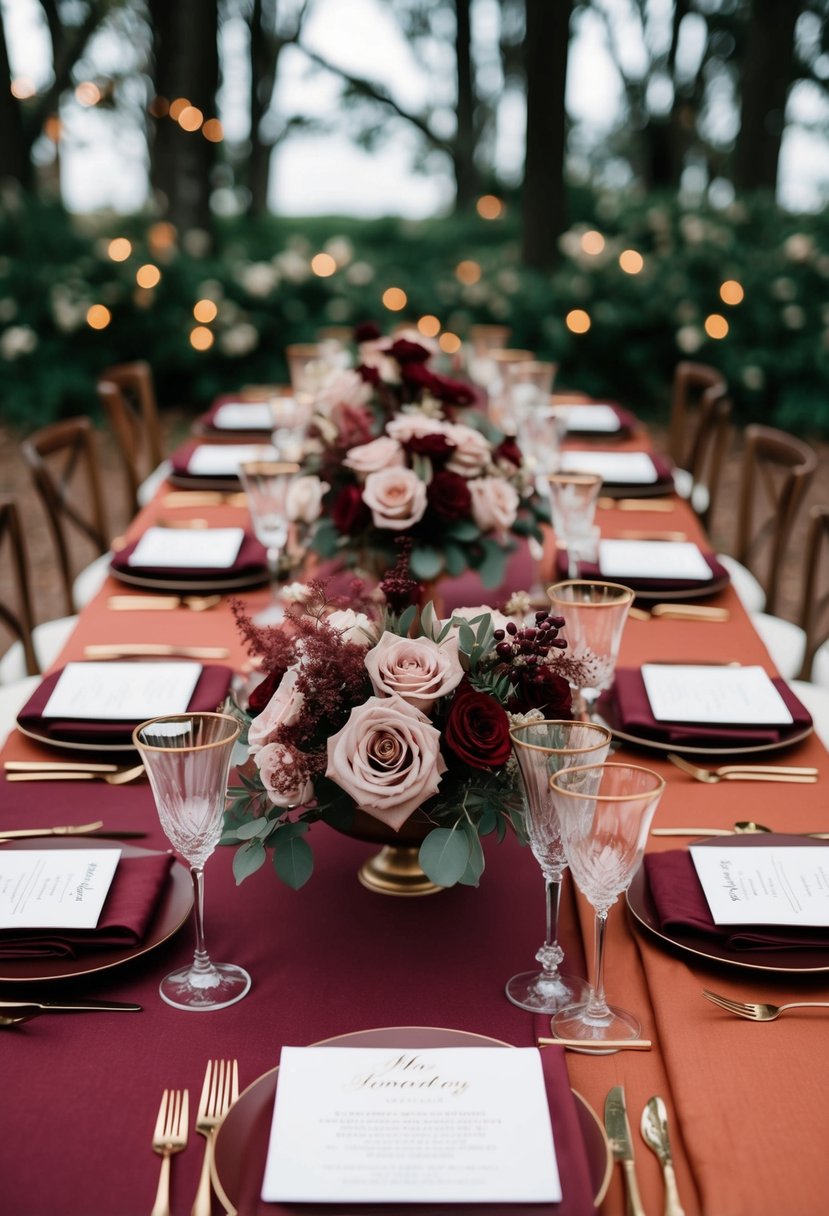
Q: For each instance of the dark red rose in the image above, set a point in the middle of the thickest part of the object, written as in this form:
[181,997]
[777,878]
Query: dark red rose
[349,513]
[449,496]
[509,450]
[405,351]
[452,392]
[418,375]
[367,331]
[262,693]
[437,447]
[477,730]
[539,687]
[369,375]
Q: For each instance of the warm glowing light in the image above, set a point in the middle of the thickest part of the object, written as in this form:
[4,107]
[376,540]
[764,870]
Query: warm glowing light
[162,235]
[631,261]
[98,317]
[731,292]
[468,272]
[52,128]
[205,311]
[87,93]
[190,118]
[489,207]
[119,249]
[148,275]
[213,131]
[176,107]
[201,338]
[450,344]
[323,264]
[23,87]
[395,299]
[716,325]
[159,107]
[429,326]
[592,242]
[577,321]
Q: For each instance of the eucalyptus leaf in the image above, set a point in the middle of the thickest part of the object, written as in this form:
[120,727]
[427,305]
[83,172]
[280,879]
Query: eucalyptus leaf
[464,530]
[253,827]
[454,558]
[248,859]
[425,562]
[407,616]
[293,860]
[466,637]
[326,538]
[475,865]
[444,856]
[493,567]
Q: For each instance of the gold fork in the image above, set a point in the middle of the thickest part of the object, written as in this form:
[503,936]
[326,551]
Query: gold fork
[121,776]
[757,1011]
[170,1136]
[745,772]
[219,1091]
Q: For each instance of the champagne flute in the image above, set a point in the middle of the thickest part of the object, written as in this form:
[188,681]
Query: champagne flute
[605,812]
[594,616]
[573,499]
[543,748]
[187,758]
[266,483]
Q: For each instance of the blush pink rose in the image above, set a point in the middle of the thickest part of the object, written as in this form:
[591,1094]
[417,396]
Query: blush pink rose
[381,453]
[355,627]
[283,709]
[472,453]
[387,758]
[494,503]
[282,777]
[395,497]
[417,669]
[415,426]
[303,502]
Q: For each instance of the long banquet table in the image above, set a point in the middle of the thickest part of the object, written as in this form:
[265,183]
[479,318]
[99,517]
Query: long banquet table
[748,1104]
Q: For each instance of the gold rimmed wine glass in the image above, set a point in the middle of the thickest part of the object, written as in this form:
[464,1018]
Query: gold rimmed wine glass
[605,812]
[543,748]
[594,616]
[266,483]
[187,759]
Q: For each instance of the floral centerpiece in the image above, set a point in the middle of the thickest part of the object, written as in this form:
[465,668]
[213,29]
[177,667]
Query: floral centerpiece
[404,454]
[393,714]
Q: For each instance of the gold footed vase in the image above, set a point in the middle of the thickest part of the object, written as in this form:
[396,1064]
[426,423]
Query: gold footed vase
[395,869]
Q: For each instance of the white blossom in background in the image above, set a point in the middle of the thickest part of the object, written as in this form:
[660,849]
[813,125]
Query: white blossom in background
[689,339]
[258,279]
[16,341]
[239,339]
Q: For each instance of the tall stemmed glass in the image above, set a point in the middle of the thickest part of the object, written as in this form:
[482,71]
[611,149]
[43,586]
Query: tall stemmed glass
[187,759]
[290,418]
[594,617]
[542,749]
[573,499]
[605,812]
[266,484]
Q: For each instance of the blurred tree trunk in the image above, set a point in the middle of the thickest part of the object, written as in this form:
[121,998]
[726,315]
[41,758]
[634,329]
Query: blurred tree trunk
[186,57]
[467,178]
[768,70]
[15,164]
[544,204]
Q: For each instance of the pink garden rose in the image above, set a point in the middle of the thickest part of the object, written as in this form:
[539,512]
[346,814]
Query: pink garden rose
[283,709]
[494,503]
[354,626]
[282,782]
[417,669]
[396,498]
[344,387]
[387,758]
[472,452]
[381,453]
[414,426]
[304,499]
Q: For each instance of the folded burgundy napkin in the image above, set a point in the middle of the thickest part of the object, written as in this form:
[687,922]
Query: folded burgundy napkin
[128,909]
[251,557]
[627,422]
[211,689]
[633,714]
[681,906]
[180,459]
[591,570]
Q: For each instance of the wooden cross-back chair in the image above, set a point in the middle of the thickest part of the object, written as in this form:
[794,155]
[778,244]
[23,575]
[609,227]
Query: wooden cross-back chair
[699,434]
[127,395]
[691,383]
[18,618]
[777,470]
[814,612]
[63,462]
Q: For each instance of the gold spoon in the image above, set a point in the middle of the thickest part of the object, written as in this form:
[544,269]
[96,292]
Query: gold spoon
[741,827]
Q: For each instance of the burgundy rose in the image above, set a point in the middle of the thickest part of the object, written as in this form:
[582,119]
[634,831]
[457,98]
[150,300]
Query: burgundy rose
[437,447]
[509,450]
[537,686]
[405,351]
[370,375]
[449,496]
[418,375]
[263,692]
[452,392]
[477,730]
[349,513]
[366,331]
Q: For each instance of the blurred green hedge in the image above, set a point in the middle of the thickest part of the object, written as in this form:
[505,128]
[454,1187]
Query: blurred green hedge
[775,355]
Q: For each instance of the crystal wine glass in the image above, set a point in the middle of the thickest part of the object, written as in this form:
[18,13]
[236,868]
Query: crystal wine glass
[543,748]
[187,759]
[266,484]
[594,616]
[573,499]
[605,813]
[290,418]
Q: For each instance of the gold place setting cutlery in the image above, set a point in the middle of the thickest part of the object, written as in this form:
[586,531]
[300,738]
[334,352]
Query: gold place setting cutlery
[758,1011]
[77,829]
[682,612]
[57,770]
[745,772]
[162,603]
[654,1129]
[169,1137]
[13,1013]
[743,827]
[153,650]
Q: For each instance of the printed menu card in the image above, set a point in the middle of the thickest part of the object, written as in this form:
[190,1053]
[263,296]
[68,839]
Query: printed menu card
[223,459]
[714,694]
[765,885]
[122,692]
[621,468]
[391,1125]
[207,548]
[661,559]
[243,415]
[54,888]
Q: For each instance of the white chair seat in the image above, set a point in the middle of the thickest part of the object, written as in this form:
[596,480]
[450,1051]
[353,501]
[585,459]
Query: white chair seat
[90,580]
[683,482]
[752,595]
[785,642]
[49,640]
[147,490]
[698,495]
[816,701]
[12,699]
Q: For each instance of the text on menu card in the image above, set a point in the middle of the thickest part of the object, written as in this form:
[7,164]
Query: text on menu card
[713,694]
[122,692]
[54,888]
[765,885]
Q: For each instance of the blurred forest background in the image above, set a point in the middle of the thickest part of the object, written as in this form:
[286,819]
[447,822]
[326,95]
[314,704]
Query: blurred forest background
[660,198]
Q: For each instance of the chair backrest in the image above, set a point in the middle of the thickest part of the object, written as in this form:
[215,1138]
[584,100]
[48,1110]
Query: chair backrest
[709,449]
[776,472]
[692,381]
[814,612]
[63,462]
[18,620]
[127,394]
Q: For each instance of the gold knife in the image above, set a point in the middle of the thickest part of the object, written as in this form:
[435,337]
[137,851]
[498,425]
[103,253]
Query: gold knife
[600,1046]
[57,766]
[618,1133]
[637,504]
[153,650]
[654,1128]
[79,829]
